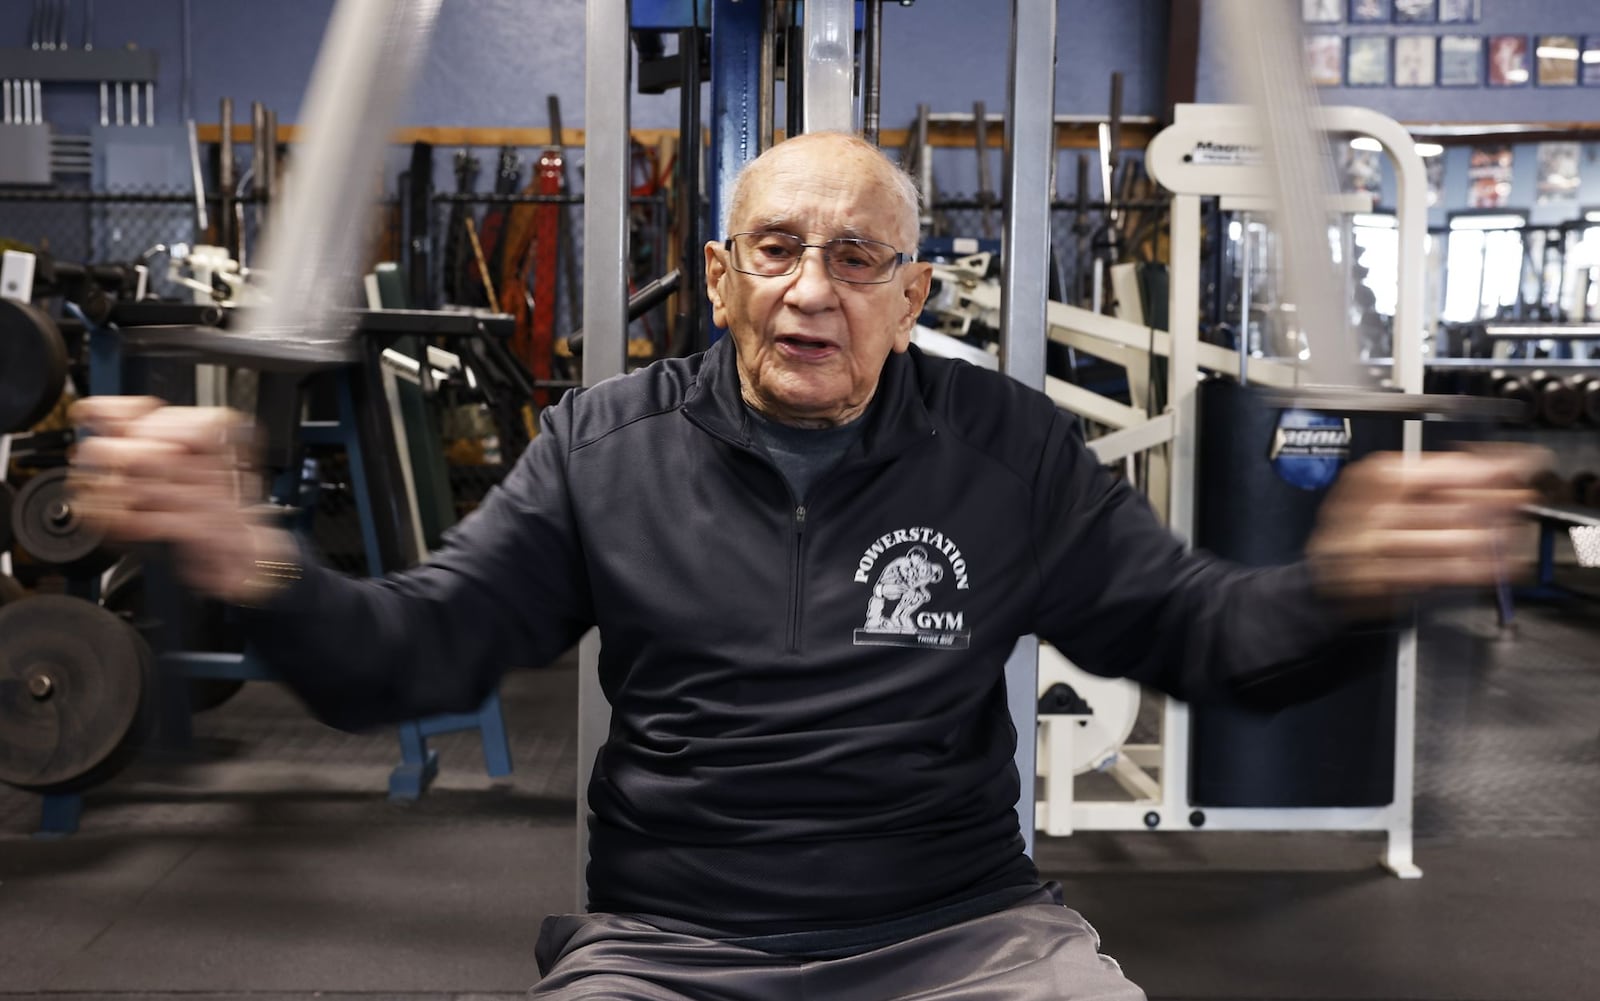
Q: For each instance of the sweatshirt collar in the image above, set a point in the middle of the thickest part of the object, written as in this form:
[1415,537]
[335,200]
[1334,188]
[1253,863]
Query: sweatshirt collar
[896,418]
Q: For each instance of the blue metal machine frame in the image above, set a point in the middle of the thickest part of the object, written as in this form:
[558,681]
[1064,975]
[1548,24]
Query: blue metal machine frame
[60,812]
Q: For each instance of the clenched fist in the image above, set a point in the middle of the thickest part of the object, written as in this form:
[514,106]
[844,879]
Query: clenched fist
[148,472]
[1395,526]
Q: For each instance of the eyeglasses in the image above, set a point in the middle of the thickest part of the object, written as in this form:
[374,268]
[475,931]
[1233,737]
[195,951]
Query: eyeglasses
[773,254]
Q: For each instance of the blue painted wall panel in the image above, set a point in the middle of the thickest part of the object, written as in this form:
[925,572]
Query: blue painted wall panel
[492,63]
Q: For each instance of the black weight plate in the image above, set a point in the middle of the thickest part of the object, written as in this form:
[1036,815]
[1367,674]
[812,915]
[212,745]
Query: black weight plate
[205,628]
[8,501]
[33,366]
[46,526]
[72,692]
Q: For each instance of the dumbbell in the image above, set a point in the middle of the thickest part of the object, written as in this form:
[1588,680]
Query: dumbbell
[1585,489]
[1556,402]
[1588,389]
[1508,387]
[1551,488]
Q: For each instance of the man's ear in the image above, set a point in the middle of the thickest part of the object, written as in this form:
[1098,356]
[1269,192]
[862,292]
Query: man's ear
[917,277]
[716,271]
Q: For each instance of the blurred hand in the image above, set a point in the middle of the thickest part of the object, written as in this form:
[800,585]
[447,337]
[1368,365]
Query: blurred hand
[151,473]
[1394,527]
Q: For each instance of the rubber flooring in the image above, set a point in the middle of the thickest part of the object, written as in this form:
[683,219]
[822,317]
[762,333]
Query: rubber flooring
[267,864]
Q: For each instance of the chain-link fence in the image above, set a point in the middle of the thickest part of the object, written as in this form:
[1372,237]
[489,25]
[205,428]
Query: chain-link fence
[531,247]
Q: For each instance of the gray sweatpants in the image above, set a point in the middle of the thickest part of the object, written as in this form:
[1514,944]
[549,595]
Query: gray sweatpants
[1033,951]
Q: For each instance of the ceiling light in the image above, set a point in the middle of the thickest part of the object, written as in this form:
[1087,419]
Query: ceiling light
[1367,143]
[1487,222]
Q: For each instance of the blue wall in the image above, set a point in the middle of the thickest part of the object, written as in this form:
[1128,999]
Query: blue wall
[492,63]
[1446,104]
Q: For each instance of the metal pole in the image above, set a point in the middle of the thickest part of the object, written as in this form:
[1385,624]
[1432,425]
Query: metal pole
[871,69]
[691,259]
[1025,251]
[829,57]
[258,162]
[225,179]
[772,16]
[605,309]
[735,77]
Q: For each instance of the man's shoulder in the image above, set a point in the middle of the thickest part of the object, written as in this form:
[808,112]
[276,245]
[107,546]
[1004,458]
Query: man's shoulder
[620,401]
[985,408]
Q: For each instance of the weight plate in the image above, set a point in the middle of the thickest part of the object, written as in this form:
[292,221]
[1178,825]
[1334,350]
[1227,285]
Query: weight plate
[44,524]
[33,366]
[1113,706]
[205,628]
[73,684]
[8,502]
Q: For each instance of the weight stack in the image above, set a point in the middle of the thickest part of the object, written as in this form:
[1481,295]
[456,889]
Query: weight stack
[1257,499]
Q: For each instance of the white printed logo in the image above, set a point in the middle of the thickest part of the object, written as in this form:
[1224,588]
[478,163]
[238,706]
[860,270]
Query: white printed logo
[904,585]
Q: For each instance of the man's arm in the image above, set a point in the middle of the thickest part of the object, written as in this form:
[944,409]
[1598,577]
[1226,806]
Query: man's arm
[1122,597]
[507,589]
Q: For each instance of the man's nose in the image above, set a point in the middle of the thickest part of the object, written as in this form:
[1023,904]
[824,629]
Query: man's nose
[812,285]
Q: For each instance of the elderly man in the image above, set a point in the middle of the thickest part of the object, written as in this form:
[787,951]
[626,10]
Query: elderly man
[790,804]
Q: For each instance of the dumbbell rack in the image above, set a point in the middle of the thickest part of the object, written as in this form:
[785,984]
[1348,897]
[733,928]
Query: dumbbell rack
[357,383]
[1552,517]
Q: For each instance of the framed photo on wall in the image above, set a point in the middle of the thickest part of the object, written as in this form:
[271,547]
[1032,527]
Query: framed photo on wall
[1324,56]
[1461,61]
[1508,61]
[1556,60]
[1367,61]
[1415,11]
[1460,11]
[1489,176]
[1414,61]
[1322,11]
[1589,68]
[1371,11]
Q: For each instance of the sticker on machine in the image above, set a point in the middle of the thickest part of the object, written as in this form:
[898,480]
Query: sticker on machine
[913,573]
[1219,154]
[1309,448]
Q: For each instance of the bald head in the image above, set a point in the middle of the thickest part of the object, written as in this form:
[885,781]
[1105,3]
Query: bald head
[838,152]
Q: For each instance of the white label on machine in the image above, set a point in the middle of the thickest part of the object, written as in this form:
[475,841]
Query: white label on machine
[1215,154]
[16,276]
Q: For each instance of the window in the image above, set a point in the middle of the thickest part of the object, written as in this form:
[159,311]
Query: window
[1483,266]
[1377,253]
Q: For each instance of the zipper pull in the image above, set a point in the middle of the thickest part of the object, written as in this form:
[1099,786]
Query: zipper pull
[800,519]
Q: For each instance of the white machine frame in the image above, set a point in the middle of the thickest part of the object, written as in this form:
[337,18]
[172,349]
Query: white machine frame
[1237,176]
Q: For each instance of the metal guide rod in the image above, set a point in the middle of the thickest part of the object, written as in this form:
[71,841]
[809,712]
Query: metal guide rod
[605,309]
[1025,251]
[871,69]
[830,41]
[363,71]
[1270,76]
[225,178]
[772,15]
[198,179]
[735,69]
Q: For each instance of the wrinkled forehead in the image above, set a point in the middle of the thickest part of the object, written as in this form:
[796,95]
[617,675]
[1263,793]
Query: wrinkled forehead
[819,190]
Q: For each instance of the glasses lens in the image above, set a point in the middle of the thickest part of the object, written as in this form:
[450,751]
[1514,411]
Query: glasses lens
[772,254]
[864,262]
[768,253]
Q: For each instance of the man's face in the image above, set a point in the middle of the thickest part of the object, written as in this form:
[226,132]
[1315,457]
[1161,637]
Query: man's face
[811,348]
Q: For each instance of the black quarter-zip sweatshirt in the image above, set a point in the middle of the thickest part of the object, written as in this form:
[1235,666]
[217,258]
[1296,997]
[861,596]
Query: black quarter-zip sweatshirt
[809,728]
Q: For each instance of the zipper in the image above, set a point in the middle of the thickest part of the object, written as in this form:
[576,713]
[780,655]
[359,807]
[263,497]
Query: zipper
[796,577]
